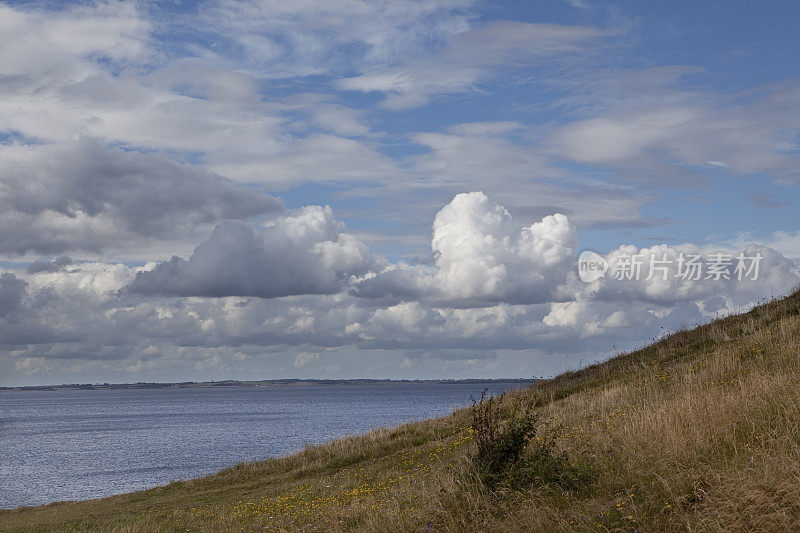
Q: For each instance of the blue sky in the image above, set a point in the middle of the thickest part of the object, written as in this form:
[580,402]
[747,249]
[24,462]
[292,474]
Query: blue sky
[725,52]
[466,152]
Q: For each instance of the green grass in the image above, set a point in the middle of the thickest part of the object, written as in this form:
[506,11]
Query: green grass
[699,431]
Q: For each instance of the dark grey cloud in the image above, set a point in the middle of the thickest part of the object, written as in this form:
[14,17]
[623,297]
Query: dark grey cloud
[50,265]
[11,291]
[304,252]
[86,196]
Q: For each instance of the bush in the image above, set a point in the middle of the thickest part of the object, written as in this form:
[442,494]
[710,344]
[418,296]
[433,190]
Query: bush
[499,442]
[510,453]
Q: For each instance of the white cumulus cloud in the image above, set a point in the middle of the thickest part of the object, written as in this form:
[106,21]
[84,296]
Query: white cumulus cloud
[482,256]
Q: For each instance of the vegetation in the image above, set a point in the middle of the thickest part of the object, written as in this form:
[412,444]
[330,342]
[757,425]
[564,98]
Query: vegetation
[699,431]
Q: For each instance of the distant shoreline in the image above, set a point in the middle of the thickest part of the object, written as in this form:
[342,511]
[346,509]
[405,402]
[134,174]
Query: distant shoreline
[254,383]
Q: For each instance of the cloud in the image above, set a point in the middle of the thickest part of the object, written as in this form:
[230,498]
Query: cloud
[578,4]
[662,277]
[52,64]
[303,252]
[81,316]
[482,256]
[50,265]
[38,40]
[315,158]
[786,242]
[664,132]
[188,103]
[471,57]
[84,196]
[505,160]
[323,112]
[32,316]
[416,325]
[763,199]
[280,39]
[11,292]
[304,359]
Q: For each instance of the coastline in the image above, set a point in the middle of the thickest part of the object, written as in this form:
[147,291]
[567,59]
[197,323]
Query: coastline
[259,383]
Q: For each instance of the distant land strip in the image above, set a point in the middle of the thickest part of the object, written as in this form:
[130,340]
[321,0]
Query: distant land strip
[256,383]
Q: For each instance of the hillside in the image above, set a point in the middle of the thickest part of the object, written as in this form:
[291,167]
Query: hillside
[698,431]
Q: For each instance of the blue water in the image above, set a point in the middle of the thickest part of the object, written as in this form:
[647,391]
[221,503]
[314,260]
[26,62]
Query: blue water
[75,445]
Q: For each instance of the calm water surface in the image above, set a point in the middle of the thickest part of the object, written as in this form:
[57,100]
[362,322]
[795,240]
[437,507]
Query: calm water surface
[74,445]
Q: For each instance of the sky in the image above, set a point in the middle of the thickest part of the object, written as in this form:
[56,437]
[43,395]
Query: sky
[384,189]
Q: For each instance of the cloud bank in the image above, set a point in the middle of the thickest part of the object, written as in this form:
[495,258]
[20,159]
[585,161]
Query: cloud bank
[86,197]
[301,285]
[303,252]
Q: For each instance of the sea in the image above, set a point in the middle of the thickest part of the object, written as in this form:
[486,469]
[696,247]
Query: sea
[78,444]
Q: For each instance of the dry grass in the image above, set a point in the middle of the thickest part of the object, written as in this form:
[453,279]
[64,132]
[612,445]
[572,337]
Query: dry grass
[697,432]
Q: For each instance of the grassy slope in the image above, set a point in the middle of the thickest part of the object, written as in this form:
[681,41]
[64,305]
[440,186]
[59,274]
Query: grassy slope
[699,431]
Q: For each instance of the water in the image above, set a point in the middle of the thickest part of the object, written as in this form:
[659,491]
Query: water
[75,445]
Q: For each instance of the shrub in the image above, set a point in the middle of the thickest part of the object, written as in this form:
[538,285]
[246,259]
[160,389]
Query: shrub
[511,453]
[499,442]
